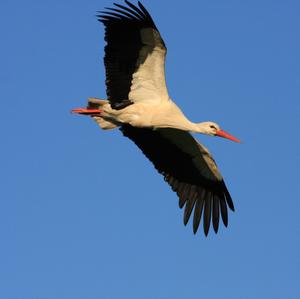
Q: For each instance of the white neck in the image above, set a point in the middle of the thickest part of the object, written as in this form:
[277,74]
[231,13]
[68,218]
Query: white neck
[198,128]
[186,126]
[173,117]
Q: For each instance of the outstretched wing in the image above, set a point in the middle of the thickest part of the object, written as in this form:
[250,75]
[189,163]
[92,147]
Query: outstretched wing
[134,56]
[189,169]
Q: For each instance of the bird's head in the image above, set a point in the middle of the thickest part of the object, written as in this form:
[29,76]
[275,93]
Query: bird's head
[213,129]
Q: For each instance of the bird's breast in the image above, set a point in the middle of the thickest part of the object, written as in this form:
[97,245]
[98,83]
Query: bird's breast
[152,115]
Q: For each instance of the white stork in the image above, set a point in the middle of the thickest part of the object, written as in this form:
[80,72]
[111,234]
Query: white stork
[139,104]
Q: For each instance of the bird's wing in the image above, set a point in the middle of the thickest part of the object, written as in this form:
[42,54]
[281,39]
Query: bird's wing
[189,169]
[134,56]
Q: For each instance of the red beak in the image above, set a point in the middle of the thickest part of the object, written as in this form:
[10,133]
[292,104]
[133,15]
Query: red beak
[224,134]
[86,111]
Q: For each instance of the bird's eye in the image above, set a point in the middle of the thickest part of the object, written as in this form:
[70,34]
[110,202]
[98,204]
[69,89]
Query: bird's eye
[212,127]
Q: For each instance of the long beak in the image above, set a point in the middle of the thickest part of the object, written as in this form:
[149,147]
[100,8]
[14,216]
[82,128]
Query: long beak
[224,134]
[86,111]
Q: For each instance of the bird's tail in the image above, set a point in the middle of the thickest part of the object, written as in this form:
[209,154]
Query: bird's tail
[104,124]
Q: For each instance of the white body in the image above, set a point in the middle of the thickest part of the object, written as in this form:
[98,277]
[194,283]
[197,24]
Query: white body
[152,114]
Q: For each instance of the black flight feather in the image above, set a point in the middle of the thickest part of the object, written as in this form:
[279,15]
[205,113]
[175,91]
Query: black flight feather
[197,213]
[207,213]
[215,213]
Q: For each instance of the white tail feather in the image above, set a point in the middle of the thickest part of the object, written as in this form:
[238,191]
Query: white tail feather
[103,123]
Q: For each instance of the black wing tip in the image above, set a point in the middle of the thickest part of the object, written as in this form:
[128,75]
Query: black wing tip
[206,228]
[230,202]
[189,197]
[232,208]
[215,206]
[207,205]
[195,228]
[180,204]
[130,13]
[198,212]
[216,227]
[228,197]
[224,210]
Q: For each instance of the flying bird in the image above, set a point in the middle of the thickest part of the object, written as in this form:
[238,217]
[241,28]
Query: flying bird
[139,105]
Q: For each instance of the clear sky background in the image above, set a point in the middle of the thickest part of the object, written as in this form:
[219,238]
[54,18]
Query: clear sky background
[84,215]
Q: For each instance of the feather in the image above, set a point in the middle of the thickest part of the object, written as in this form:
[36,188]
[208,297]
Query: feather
[216,213]
[198,212]
[118,16]
[228,198]
[224,212]
[146,13]
[139,17]
[188,208]
[135,8]
[207,213]
[130,16]
[184,195]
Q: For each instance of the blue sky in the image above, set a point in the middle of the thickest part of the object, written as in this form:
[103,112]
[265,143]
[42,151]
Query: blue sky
[84,215]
